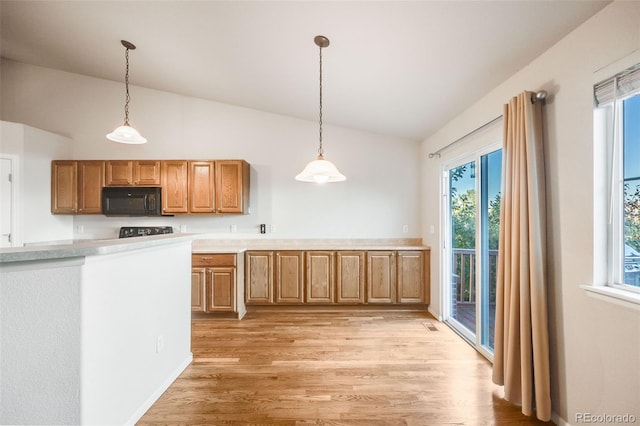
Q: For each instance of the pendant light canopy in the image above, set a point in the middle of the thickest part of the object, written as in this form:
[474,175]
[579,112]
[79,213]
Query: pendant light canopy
[321,170]
[126,133]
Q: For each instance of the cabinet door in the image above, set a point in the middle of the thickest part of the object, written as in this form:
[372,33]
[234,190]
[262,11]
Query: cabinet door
[221,283]
[411,286]
[119,173]
[319,286]
[259,277]
[201,187]
[350,277]
[90,183]
[381,277]
[174,186]
[146,173]
[232,186]
[289,277]
[198,280]
[64,189]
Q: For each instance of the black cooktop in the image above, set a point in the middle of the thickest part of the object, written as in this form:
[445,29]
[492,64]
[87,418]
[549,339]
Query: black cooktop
[142,231]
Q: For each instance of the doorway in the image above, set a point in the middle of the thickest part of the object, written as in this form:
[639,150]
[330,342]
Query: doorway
[472,221]
[8,204]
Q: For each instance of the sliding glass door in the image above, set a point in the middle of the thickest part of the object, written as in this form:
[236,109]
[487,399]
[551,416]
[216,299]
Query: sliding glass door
[472,226]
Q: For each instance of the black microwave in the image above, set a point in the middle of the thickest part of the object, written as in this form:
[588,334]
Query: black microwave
[131,201]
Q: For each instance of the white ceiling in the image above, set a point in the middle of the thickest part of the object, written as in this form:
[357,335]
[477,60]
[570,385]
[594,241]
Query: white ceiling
[401,68]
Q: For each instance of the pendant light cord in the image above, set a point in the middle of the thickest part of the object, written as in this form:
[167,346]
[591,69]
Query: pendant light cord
[126,84]
[320,150]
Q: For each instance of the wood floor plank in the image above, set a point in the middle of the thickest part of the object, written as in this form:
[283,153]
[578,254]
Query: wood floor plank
[332,368]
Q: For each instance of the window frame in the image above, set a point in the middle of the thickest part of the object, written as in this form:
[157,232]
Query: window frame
[608,249]
[615,232]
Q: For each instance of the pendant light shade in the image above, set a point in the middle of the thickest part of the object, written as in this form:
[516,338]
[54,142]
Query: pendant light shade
[320,170]
[126,133]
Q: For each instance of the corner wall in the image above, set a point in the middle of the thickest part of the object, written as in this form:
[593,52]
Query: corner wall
[595,345]
[34,149]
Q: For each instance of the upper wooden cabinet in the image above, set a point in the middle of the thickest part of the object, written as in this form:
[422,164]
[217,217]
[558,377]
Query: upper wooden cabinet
[220,186]
[119,173]
[64,187]
[76,187]
[147,173]
[202,187]
[90,183]
[232,186]
[175,186]
[188,186]
[136,173]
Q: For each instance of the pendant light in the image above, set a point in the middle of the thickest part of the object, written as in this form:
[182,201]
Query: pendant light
[126,133]
[320,170]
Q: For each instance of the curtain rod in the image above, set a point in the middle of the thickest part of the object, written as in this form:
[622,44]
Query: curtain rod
[535,97]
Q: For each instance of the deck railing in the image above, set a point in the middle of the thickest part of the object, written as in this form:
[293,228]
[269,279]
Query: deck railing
[464,282]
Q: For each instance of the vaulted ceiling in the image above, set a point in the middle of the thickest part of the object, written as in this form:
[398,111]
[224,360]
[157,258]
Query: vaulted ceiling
[400,68]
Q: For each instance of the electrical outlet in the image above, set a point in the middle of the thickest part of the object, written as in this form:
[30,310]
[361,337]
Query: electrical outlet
[234,228]
[183,229]
[272,228]
[80,229]
[405,228]
[159,344]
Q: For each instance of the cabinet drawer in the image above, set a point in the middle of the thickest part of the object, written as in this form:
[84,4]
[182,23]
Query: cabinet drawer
[213,259]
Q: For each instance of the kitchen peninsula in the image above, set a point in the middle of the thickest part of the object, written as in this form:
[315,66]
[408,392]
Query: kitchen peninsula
[92,332]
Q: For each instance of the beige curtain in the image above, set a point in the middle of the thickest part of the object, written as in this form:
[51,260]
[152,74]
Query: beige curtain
[521,357]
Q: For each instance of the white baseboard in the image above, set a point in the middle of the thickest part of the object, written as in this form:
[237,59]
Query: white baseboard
[559,420]
[435,314]
[137,415]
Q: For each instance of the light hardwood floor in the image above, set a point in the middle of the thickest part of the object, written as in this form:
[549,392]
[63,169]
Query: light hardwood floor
[332,368]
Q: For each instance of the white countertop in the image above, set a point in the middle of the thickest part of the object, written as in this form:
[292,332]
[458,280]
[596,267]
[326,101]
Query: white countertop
[211,245]
[201,244]
[87,248]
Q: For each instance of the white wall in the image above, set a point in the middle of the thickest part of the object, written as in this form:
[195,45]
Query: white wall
[79,336]
[127,303]
[379,197]
[595,345]
[34,149]
[40,333]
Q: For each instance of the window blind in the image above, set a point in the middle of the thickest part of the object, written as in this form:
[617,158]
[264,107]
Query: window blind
[621,85]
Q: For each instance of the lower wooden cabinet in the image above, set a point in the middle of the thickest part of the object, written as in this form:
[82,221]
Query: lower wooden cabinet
[411,276]
[319,288]
[381,277]
[337,277]
[198,289]
[289,277]
[213,283]
[259,277]
[350,277]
